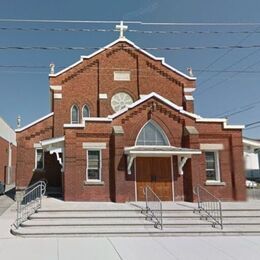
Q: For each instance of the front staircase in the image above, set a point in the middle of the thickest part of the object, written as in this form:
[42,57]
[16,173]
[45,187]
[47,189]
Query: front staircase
[58,218]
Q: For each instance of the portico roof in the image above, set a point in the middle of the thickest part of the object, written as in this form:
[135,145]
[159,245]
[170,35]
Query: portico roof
[159,151]
[52,141]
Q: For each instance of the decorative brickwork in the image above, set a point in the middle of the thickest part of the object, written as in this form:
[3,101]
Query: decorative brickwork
[94,75]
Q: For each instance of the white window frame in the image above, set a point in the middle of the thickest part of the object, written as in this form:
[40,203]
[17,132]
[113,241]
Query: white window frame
[35,161]
[217,166]
[77,115]
[100,166]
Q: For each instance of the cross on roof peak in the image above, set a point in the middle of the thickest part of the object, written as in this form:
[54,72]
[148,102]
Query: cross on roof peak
[121,28]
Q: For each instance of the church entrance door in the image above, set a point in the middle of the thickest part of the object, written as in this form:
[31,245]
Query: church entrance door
[156,173]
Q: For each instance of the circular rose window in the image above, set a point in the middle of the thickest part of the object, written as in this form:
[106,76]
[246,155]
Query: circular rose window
[120,100]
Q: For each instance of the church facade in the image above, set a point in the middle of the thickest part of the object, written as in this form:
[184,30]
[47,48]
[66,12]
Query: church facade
[122,119]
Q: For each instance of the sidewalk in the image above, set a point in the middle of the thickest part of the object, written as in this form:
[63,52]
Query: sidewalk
[131,248]
[126,248]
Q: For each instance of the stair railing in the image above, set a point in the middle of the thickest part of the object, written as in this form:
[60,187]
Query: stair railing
[30,201]
[210,205]
[153,207]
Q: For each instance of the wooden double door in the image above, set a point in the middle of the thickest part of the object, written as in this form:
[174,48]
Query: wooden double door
[156,173]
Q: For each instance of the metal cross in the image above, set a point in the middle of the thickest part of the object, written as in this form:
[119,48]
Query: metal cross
[121,28]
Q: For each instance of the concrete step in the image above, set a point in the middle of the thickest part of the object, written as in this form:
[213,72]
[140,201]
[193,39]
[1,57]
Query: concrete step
[109,222]
[131,231]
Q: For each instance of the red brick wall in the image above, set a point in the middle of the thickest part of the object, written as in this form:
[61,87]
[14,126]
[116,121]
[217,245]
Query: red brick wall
[26,151]
[82,84]
[75,186]
[96,75]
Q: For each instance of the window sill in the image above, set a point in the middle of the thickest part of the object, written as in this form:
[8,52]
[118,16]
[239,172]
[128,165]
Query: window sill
[93,183]
[215,183]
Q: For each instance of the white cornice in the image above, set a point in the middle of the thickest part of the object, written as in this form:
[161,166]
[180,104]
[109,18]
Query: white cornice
[189,90]
[254,143]
[56,87]
[135,46]
[18,130]
[180,109]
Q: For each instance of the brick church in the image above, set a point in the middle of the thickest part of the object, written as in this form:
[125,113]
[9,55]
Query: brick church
[122,119]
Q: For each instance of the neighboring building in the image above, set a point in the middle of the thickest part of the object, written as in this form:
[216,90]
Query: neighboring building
[122,119]
[252,158]
[7,153]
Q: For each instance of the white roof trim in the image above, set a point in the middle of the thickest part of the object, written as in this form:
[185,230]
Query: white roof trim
[178,151]
[96,119]
[197,118]
[213,120]
[82,125]
[251,142]
[135,46]
[226,126]
[146,97]
[88,119]
[34,123]
[219,120]
[52,141]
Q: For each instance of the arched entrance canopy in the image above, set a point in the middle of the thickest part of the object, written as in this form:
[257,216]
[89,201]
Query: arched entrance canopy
[153,142]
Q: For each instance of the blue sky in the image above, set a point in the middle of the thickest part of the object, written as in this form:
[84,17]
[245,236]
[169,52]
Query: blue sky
[25,91]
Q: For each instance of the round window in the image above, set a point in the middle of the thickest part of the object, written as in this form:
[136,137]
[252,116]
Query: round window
[120,100]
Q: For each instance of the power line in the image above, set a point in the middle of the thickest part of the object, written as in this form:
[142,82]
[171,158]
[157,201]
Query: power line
[117,68]
[219,47]
[130,22]
[239,112]
[113,30]
[232,76]
[223,55]
[242,107]
[252,127]
[229,66]
[226,71]
[254,123]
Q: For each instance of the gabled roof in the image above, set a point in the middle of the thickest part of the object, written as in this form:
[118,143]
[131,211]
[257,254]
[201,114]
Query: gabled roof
[135,46]
[180,109]
[34,122]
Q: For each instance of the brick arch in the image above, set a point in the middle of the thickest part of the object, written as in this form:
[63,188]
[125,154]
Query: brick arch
[162,121]
[170,134]
[126,90]
[138,126]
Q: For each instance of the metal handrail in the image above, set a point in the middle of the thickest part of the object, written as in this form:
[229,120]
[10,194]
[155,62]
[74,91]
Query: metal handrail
[210,205]
[153,207]
[30,201]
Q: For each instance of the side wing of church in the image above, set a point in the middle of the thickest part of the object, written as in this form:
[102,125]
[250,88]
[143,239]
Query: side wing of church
[122,119]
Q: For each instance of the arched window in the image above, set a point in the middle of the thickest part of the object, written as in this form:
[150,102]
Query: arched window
[74,116]
[152,134]
[85,111]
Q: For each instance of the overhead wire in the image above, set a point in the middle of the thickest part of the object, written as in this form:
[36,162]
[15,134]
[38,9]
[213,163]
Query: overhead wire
[216,47]
[10,20]
[114,30]
[202,91]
